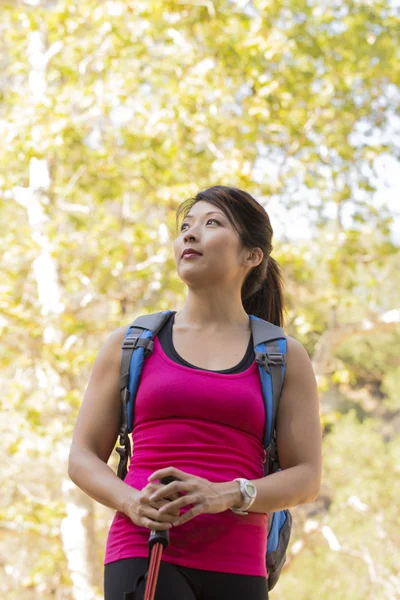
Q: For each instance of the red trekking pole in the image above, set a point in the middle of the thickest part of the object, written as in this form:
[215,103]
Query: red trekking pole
[158,540]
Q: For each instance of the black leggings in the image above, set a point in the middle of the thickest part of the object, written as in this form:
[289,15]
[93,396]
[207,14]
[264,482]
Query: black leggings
[182,583]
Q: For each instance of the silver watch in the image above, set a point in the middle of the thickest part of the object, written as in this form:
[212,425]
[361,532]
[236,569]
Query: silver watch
[249,493]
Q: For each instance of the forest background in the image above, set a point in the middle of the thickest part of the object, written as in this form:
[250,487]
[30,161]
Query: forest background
[111,114]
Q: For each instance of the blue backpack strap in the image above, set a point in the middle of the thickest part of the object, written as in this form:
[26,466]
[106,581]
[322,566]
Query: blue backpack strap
[270,347]
[138,344]
[270,352]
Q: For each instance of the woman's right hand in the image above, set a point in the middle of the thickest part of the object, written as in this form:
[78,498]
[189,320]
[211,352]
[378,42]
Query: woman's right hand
[145,512]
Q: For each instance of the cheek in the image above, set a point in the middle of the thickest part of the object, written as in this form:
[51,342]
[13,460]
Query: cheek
[176,250]
[226,249]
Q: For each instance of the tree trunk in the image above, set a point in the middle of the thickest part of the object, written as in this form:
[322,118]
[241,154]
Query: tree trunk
[77,528]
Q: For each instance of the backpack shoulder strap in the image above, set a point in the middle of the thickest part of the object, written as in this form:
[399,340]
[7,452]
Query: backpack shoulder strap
[138,344]
[140,335]
[270,349]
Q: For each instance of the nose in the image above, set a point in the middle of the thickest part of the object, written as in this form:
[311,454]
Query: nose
[189,236]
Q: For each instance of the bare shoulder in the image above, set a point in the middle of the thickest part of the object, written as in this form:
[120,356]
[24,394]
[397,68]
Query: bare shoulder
[299,384]
[113,342]
[118,335]
[295,347]
[298,361]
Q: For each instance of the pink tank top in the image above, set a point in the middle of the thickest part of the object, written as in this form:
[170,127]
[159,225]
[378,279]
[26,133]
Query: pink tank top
[211,425]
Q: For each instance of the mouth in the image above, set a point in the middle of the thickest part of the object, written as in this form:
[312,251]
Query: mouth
[190,252]
[190,255]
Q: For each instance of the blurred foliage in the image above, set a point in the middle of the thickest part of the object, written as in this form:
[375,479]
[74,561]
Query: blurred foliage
[367,356]
[132,107]
[362,528]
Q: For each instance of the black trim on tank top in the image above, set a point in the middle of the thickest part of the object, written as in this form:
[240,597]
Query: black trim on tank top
[165,339]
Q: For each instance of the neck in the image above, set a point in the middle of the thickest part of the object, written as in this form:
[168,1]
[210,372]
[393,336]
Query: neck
[212,310]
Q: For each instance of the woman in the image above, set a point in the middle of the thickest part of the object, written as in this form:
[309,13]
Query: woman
[199,416]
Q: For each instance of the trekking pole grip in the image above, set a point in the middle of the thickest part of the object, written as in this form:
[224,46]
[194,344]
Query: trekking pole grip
[161,537]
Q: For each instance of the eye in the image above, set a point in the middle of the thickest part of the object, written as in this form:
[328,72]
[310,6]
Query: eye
[208,220]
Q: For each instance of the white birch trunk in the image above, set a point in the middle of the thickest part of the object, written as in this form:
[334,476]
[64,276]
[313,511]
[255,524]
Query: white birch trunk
[77,530]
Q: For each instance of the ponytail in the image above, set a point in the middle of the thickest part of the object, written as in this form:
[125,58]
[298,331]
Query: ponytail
[262,292]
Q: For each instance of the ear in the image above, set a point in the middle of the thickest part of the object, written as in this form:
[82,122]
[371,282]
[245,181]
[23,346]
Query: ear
[253,258]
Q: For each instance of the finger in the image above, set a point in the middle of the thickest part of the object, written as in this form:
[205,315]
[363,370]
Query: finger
[155,526]
[177,504]
[165,502]
[172,512]
[168,472]
[190,514]
[166,505]
[151,488]
[154,514]
[175,495]
[158,504]
[170,498]
[166,491]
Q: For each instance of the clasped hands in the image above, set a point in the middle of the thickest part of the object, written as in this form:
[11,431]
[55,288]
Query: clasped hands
[204,496]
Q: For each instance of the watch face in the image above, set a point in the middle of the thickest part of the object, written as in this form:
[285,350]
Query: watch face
[251,489]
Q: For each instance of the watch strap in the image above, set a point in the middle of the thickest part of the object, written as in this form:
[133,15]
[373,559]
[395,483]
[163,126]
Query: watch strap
[247,500]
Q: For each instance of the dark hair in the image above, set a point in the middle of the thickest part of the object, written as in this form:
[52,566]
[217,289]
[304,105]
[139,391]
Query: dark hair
[262,290]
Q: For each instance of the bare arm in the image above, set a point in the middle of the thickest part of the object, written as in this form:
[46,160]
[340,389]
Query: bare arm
[299,440]
[96,432]
[97,427]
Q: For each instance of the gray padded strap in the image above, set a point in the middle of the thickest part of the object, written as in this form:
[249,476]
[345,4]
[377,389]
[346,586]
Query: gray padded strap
[272,362]
[153,322]
[276,374]
[131,342]
[263,331]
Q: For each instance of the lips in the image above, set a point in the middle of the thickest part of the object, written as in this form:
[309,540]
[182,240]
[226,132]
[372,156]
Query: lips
[190,251]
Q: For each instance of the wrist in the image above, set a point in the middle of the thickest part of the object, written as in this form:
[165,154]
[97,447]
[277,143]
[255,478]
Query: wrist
[127,499]
[248,492]
[231,489]
[238,496]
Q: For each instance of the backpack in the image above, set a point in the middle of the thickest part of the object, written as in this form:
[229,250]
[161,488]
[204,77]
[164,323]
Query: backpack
[270,354]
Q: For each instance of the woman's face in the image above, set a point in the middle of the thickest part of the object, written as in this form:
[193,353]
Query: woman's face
[208,230]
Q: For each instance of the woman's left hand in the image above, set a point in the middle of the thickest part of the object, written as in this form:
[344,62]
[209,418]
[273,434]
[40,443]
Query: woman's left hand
[205,496]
